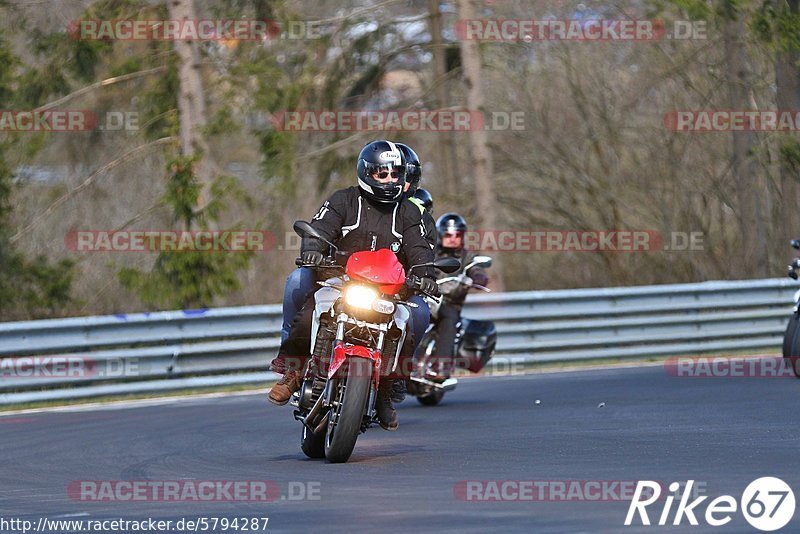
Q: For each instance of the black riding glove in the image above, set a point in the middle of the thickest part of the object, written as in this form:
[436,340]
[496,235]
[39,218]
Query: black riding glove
[428,286]
[312,257]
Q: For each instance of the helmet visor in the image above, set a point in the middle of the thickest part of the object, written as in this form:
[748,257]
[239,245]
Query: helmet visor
[386,172]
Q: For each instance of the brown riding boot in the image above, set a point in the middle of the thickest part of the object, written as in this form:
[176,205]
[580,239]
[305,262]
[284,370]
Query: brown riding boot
[282,391]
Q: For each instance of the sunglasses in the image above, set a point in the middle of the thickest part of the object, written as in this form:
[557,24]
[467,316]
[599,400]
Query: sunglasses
[385,174]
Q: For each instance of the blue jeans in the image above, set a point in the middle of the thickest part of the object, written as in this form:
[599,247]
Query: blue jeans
[298,288]
[420,317]
[300,285]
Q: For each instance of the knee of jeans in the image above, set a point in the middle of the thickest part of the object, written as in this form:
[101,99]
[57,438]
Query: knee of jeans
[419,323]
[295,278]
[284,333]
[420,316]
[292,283]
[297,286]
[306,282]
[422,309]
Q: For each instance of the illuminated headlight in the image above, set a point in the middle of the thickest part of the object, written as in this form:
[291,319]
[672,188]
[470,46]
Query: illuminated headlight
[360,297]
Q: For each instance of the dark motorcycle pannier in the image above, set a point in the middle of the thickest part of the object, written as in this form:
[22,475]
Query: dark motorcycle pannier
[477,345]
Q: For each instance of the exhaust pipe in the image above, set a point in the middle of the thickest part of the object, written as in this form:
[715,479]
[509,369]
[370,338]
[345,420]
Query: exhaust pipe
[313,412]
[321,426]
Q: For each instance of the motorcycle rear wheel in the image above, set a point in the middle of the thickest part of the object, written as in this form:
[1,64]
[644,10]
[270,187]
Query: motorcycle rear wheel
[344,419]
[431,399]
[313,445]
[791,344]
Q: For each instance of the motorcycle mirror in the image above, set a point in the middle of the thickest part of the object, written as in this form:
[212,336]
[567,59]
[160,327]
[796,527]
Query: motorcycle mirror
[480,261]
[447,265]
[795,243]
[303,229]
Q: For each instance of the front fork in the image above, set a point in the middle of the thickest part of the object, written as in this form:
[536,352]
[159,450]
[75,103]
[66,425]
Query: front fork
[341,353]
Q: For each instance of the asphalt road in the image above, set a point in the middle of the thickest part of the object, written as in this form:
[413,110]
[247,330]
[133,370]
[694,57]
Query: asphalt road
[721,432]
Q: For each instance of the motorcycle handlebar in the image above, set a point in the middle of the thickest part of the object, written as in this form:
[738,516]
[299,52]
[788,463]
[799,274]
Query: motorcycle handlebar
[327,263]
[460,278]
[412,281]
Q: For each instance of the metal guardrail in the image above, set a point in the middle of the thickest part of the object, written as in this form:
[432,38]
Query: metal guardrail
[135,352]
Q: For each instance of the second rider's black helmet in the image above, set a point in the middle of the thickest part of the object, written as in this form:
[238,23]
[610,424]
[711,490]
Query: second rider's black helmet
[425,199]
[413,167]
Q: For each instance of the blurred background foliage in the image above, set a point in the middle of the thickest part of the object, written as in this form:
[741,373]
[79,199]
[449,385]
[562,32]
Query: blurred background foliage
[594,153]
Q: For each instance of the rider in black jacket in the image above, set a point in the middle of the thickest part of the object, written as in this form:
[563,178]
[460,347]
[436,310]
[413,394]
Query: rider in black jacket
[372,216]
[423,200]
[302,281]
[413,192]
[451,228]
[353,220]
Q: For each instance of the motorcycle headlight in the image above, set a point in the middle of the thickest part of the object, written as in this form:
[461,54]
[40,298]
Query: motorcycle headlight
[360,297]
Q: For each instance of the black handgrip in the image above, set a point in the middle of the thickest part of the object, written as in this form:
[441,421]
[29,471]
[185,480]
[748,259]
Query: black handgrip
[412,281]
[327,263]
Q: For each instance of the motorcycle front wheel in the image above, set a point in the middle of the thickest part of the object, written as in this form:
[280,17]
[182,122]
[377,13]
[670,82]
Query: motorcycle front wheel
[425,350]
[347,412]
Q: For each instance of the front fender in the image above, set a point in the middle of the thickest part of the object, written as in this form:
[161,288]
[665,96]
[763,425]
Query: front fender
[341,352]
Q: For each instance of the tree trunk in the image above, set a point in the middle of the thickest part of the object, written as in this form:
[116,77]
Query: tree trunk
[787,68]
[482,165]
[191,101]
[448,161]
[743,163]
[787,80]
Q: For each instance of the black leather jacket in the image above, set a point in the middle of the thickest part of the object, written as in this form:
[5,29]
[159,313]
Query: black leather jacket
[354,223]
[478,275]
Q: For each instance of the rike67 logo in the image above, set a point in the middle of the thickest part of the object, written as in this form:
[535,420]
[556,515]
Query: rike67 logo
[767,504]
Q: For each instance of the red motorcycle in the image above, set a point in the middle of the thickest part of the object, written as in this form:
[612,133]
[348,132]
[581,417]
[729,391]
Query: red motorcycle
[358,330]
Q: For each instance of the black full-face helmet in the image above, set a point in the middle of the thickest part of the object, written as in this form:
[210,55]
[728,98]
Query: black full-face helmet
[377,162]
[451,223]
[413,167]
